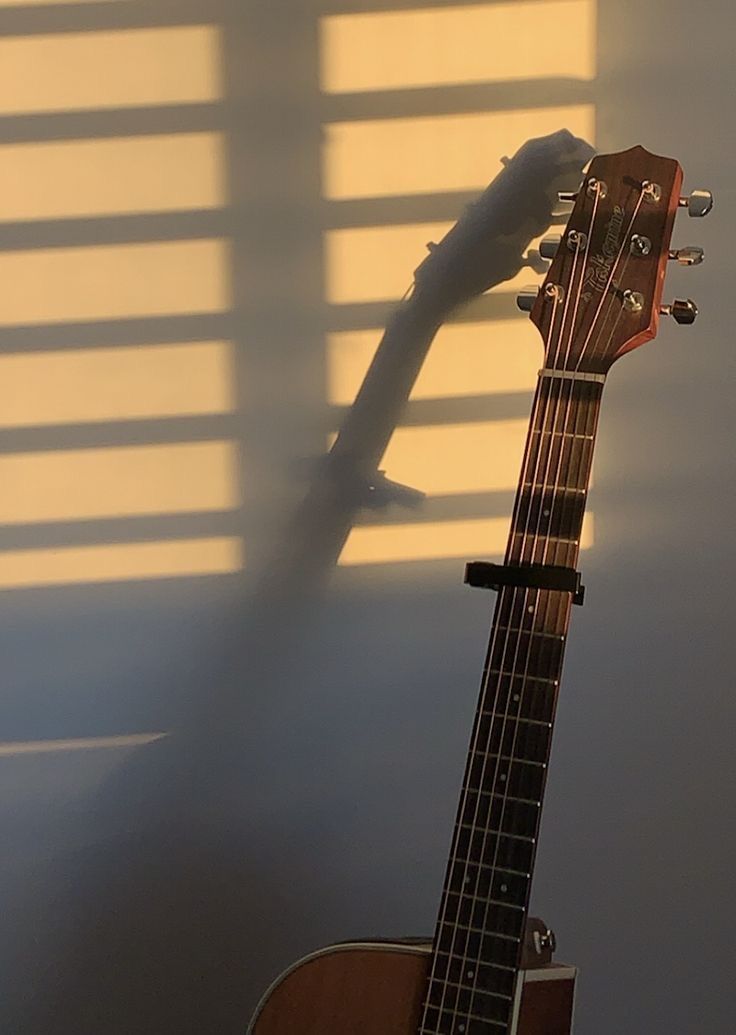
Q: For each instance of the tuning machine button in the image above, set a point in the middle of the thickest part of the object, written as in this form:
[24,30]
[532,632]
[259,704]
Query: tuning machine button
[527,297]
[567,197]
[682,310]
[548,246]
[698,204]
[545,940]
[689,256]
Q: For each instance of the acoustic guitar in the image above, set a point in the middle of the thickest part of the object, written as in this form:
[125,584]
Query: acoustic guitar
[600,299]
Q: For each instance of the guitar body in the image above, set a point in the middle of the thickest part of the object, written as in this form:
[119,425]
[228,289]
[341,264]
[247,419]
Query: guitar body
[376,988]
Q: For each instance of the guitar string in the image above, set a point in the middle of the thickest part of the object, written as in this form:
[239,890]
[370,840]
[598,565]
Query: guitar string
[547,544]
[501,663]
[593,404]
[452,869]
[618,315]
[539,400]
[612,272]
[474,898]
[531,614]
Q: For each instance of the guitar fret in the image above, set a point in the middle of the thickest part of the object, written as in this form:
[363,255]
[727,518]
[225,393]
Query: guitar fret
[492,867]
[503,797]
[479,944]
[515,718]
[562,434]
[486,965]
[549,516]
[473,1017]
[498,833]
[464,1003]
[486,934]
[499,817]
[522,777]
[470,988]
[476,844]
[495,902]
[509,758]
[549,538]
[493,979]
[478,879]
[505,869]
[528,653]
[574,490]
[528,698]
[462,896]
[518,675]
[535,633]
[498,1024]
[499,732]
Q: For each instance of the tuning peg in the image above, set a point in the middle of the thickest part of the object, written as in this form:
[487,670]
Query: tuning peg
[681,310]
[689,256]
[527,297]
[699,203]
[548,246]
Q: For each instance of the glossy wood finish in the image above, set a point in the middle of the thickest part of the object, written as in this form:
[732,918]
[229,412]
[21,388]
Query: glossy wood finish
[598,328]
[374,988]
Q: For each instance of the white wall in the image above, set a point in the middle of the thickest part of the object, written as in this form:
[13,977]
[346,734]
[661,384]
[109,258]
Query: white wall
[132,903]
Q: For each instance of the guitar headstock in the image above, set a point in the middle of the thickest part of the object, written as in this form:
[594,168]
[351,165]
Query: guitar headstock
[602,295]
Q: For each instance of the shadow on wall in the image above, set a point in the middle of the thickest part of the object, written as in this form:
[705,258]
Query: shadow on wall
[175,285]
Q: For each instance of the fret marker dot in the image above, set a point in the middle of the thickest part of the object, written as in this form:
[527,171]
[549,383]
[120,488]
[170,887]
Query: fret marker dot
[504,887]
[461,1027]
[530,609]
[470,974]
[546,513]
[516,697]
[502,777]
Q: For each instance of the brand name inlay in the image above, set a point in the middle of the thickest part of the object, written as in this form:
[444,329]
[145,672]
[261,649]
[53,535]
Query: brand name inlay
[599,270]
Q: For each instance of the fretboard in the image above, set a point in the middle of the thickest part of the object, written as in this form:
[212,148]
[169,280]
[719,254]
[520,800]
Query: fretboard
[479,935]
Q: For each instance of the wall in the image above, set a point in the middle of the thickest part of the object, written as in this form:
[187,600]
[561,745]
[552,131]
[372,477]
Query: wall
[208,210]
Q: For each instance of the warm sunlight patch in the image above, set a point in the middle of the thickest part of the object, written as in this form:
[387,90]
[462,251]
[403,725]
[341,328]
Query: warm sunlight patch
[125,68]
[457,458]
[80,385]
[69,485]
[376,262]
[501,41]
[464,359]
[438,153]
[422,541]
[112,281]
[366,264]
[106,177]
[113,562]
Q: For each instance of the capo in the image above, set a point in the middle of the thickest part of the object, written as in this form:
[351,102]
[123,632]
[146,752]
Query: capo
[485,575]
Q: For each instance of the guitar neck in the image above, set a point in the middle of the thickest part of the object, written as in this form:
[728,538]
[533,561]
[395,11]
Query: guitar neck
[547,520]
[600,299]
[477,948]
